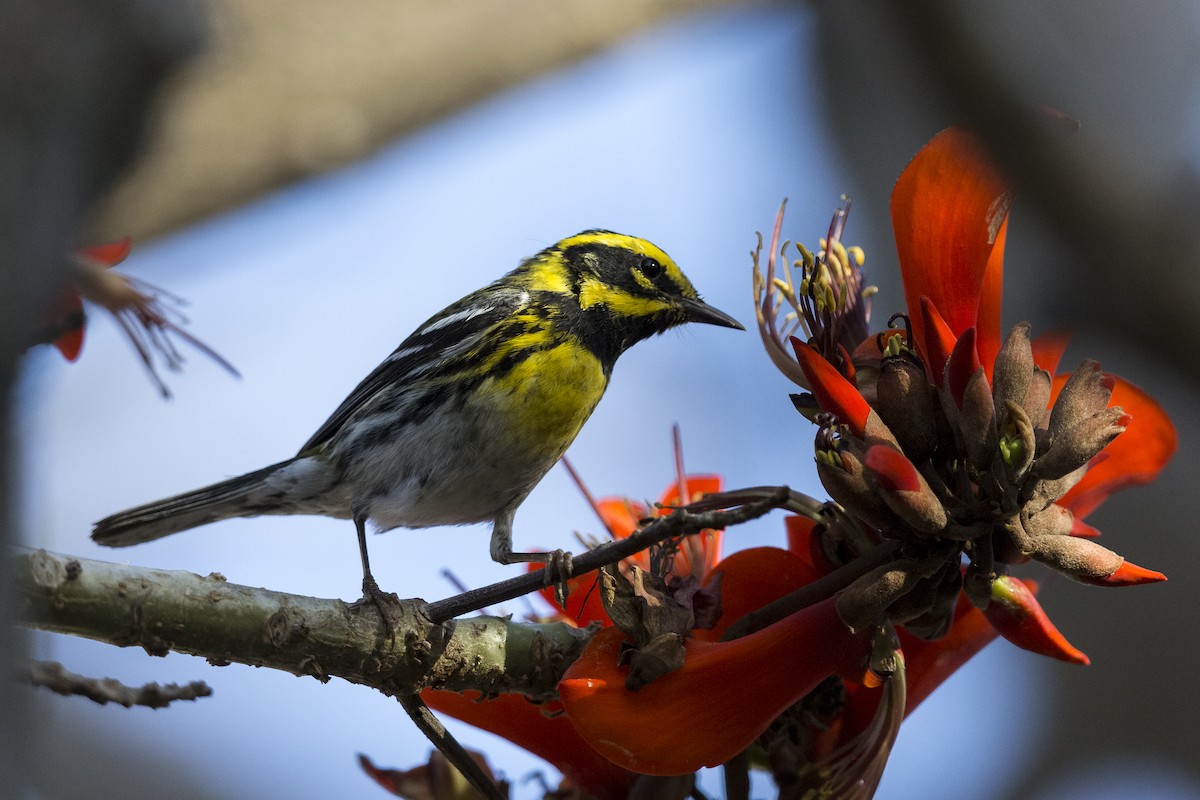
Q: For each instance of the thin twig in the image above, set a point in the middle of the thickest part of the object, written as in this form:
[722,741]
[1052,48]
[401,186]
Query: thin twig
[53,676]
[448,746]
[679,523]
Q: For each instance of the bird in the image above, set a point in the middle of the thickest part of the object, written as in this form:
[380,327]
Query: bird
[469,412]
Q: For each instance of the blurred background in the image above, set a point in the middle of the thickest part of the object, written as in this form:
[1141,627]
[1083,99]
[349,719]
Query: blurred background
[317,182]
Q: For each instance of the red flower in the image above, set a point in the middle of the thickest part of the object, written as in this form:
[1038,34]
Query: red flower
[950,215]
[66,319]
[946,434]
[943,439]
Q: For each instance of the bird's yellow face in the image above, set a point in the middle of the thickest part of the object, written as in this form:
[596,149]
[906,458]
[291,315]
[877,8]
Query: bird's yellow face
[631,280]
[643,283]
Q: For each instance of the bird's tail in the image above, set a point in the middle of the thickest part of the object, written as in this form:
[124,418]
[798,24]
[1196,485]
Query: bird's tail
[247,495]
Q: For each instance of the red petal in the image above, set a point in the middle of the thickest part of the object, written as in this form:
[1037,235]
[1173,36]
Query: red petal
[752,578]
[70,342]
[620,515]
[987,319]
[963,364]
[714,706]
[1018,616]
[1082,529]
[553,738]
[1127,574]
[937,341]
[949,209]
[584,605]
[892,470]
[802,542]
[389,779]
[108,254]
[1135,457]
[697,487]
[834,393]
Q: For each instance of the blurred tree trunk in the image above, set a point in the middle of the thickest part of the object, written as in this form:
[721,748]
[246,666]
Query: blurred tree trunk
[76,79]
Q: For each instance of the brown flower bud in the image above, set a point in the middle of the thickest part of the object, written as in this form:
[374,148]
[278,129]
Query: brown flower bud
[905,402]
[1053,520]
[866,601]
[1075,447]
[1086,393]
[844,477]
[1013,371]
[1046,491]
[1037,399]
[977,421]
[1017,443]
[933,619]
[1077,558]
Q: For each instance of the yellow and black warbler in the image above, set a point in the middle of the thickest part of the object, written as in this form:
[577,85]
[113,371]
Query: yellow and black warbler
[464,418]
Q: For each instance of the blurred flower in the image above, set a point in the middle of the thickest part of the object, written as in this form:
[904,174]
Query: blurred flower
[436,780]
[147,315]
[543,730]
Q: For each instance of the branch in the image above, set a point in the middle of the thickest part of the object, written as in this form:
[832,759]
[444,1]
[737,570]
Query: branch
[161,611]
[681,522]
[56,678]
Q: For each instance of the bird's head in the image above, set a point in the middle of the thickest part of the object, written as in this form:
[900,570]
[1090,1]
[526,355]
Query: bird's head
[627,285]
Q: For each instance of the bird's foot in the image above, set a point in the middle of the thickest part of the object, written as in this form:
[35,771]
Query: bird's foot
[387,603]
[560,566]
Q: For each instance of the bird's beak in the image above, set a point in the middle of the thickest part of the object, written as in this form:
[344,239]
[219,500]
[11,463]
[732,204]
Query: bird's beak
[699,311]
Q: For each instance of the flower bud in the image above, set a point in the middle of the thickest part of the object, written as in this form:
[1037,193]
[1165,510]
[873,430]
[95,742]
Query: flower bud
[1014,369]
[1081,559]
[1037,399]
[1075,447]
[971,412]
[904,490]
[935,619]
[1017,442]
[844,477]
[904,402]
[976,421]
[1053,520]
[1085,393]
[867,601]
[1017,615]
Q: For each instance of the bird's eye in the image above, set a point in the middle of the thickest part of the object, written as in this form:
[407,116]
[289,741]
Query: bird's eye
[650,268]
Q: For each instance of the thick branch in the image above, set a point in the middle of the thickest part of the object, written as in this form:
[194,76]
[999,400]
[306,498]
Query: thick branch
[163,611]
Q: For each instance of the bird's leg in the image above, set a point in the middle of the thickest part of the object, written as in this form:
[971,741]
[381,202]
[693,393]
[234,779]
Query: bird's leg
[559,564]
[386,602]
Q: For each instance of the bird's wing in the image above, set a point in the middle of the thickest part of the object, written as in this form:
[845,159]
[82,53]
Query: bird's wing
[440,340]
